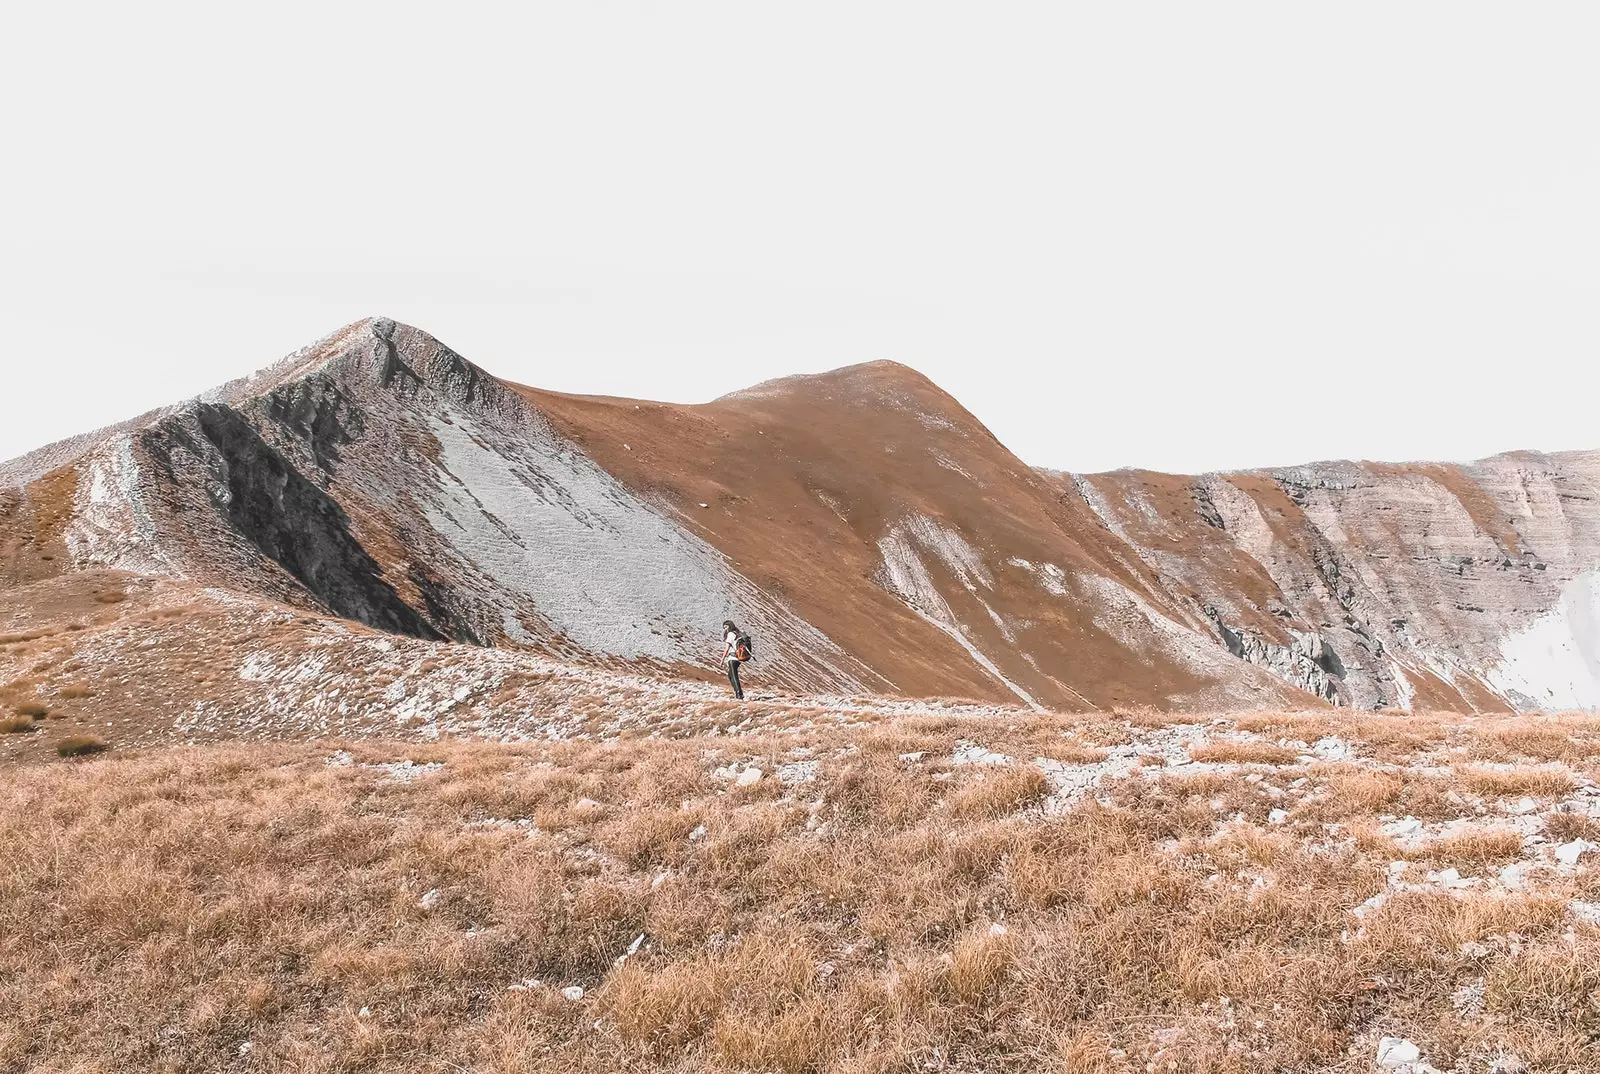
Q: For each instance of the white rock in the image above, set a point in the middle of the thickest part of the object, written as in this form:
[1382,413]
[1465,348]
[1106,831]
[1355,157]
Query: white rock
[749,777]
[1403,829]
[698,834]
[1468,999]
[1395,1052]
[246,1048]
[797,772]
[657,880]
[1370,905]
[1330,748]
[1569,853]
[1278,816]
[996,930]
[366,1012]
[1521,806]
[971,753]
[1511,877]
[429,901]
[572,993]
[1450,878]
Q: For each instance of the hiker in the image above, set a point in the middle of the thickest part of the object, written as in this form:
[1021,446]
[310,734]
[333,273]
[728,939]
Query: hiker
[735,651]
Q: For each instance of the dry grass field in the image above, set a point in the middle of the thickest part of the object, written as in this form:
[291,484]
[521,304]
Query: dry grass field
[1128,892]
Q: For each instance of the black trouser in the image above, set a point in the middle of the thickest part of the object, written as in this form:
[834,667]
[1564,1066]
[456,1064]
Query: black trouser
[733,677]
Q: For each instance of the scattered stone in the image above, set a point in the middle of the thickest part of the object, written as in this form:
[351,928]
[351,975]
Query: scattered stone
[1403,829]
[796,772]
[1370,905]
[1474,950]
[698,834]
[912,758]
[1468,999]
[1450,878]
[572,993]
[365,1012]
[1331,748]
[971,753]
[749,777]
[340,759]
[246,1048]
[1397,1052]
[996,930]
[429,901]
[1512,878]
[1278,816]
[1522,806]
[1569,853]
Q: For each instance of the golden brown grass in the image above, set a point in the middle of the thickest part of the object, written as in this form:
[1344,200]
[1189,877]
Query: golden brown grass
[1517,782]
[1252,751]
[1471,850]
[999,792]
[12,725]
[161,910]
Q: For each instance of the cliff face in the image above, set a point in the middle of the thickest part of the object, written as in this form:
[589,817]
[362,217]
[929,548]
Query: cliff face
[1473,586]
[871,532]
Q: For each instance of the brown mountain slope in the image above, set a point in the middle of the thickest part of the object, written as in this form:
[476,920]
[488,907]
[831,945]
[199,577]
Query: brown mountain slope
[856,492]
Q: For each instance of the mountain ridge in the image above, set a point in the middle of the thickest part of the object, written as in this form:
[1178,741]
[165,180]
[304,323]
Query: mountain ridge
[861,518]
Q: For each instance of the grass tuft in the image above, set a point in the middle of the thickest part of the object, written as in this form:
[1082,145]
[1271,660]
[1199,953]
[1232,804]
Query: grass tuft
[81,745]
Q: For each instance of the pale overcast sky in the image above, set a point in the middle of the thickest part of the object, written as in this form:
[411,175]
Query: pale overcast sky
[1183,236]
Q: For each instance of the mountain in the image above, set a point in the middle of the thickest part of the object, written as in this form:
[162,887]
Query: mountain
[872,534]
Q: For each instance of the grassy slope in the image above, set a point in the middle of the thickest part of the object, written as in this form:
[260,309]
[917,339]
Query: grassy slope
[160,910]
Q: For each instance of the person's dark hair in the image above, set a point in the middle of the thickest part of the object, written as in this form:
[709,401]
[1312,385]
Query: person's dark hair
[728,624]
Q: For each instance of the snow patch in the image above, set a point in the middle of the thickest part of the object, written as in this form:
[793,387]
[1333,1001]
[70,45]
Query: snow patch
[1554,662]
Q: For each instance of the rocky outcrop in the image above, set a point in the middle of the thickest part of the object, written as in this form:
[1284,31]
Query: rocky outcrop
[1426,585]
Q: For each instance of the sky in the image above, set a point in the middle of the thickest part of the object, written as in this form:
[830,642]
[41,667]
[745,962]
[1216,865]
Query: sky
[1179,236]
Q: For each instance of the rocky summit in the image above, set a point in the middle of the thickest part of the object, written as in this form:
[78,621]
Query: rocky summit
[870,532]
